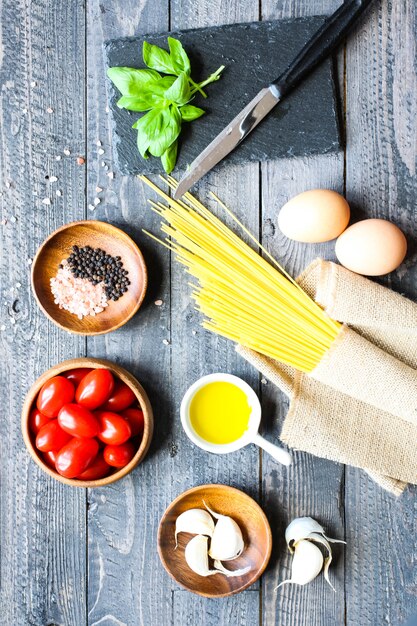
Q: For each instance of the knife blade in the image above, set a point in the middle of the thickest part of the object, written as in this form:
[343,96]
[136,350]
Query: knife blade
[229,138]
[327,38]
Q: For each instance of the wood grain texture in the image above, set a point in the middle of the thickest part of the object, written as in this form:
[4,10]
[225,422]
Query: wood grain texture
[196,352]
[127,584]
[381,583]
[43,532]
[46,537]
[311,486]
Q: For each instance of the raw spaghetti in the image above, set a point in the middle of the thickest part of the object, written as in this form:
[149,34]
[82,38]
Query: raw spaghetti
[242,296]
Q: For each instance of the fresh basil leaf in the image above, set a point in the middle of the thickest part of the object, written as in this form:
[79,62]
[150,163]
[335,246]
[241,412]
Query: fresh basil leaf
[190,112]
[157,58]
[143,141]
[144,102]
[130,81]
[165,130]
[179,92]
[169,158]
[179,57]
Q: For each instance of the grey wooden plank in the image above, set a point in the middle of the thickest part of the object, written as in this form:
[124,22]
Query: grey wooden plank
[196,352]
[312,486]
[127,584]
[42,522]
[238,610]
[381,182]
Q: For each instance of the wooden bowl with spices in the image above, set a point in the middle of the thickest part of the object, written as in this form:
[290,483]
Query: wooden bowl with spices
[139,440]
[89,277]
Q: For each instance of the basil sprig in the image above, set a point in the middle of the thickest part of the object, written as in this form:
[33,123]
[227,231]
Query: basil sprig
[165,100]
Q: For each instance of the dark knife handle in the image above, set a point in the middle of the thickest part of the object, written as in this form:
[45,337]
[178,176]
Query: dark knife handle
[329,36]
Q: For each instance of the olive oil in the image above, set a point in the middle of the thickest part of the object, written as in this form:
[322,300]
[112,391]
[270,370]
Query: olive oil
[220,412]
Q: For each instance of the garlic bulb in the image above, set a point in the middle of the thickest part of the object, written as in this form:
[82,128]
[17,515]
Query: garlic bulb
[237,572]
[194,521]
[302,531]
[306,564]
[196,556]
[227,541]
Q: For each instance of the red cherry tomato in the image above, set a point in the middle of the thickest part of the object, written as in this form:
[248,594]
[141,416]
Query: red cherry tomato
[76,376]
[37,420]
[78,421]
[50,458]
[121,398]
[119,456]
[95,388]
[74,458]
[113,428]
[54,394]
[97,469]
[51,437]
[134,418]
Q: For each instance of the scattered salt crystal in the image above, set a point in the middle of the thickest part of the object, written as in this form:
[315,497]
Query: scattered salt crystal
[46,201]
[194,332]
[2,328]
[3,221]
[58,192]
[100,151]
[165,342]
[58,157]
[98,142]
[99,189]
[158,302]
[96,201]
[49,110]
[7,184]
[67,152]
[53,179]
[35,193]
[264,381]
[106,167]
[103,163]
[24,111]
[12,320]
[111,175]
[18,285]
[91,207]
[13,219]
[29,261]
[80,160]
[33,83]
[107,109]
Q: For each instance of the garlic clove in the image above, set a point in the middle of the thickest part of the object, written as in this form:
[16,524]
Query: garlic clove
[194,521]
[324,542]
[230,574]
[196,556]
[300,528]
[227,541]
[306,564]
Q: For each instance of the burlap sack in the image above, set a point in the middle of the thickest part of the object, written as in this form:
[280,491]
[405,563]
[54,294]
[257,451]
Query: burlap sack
[332,424]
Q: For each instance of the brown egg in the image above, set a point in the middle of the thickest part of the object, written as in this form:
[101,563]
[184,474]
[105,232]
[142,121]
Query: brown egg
[314,216]
[372,247]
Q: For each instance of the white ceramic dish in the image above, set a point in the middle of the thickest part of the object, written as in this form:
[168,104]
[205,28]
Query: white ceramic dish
[251,435]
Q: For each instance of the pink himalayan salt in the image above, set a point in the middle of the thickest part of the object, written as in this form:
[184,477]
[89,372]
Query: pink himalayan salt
[77,295]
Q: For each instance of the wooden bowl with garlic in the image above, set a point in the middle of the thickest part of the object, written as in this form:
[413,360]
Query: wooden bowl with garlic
[214,540]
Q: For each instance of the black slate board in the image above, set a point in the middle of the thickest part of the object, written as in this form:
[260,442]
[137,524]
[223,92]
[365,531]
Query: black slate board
[254,54]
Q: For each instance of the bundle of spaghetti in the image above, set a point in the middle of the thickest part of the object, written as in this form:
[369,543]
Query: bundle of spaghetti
[242,296]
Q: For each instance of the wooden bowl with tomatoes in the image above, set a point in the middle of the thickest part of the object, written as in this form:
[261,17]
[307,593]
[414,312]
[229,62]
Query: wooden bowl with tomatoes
[87,422]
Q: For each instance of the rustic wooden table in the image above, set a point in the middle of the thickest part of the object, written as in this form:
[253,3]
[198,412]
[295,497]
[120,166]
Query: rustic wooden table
[74,558]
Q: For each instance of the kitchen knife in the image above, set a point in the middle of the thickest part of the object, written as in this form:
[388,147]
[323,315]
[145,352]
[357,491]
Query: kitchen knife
[328,37]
